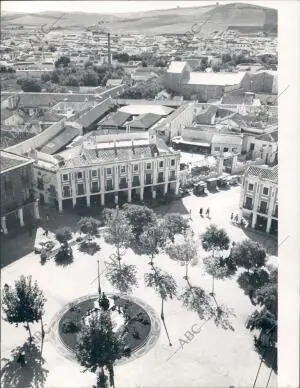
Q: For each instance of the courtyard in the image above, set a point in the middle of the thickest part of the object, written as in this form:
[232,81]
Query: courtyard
[210,357]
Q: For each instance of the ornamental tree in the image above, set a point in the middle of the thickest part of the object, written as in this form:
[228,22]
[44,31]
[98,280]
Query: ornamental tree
[165,286]
[89,226]
[139,217]
[153,239]
[266,322]
[215,239]
[251,281]
[249,255]
[98,346]
[185,253]
[197,300]
[23,303]
[118,232]
[175,224]
[267,295]
[63,235]
[122,276]
[218,268]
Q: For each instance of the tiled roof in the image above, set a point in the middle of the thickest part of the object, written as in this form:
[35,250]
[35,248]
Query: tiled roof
[60,140]
[106,155]
[267,173]
[145,121]
[124,153]
[205,116]
[9,160]
[117,119]
[95,113]
[237,97]
[32,100]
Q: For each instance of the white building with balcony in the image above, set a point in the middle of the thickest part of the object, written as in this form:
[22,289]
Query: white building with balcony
[108,169]
[259,198]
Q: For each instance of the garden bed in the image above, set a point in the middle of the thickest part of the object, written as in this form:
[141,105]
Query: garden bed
[76,313]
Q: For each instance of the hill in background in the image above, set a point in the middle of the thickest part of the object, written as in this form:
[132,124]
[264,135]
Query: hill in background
[178,20]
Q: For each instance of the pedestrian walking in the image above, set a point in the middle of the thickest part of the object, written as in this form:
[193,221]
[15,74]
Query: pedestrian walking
[46,232]
[190,212]
[207,212]
[236,218]
[231,217]
[201,212]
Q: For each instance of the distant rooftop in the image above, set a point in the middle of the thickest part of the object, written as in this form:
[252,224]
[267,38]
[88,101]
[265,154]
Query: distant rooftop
[266,173]
[222,79]
[176,67]
[9,161]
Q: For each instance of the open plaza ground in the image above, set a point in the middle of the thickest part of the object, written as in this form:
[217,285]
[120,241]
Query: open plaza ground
[211,358]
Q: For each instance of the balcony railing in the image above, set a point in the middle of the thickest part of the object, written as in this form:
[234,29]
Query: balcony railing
[136,182]
[262,210]
[123,185]
[160,179]
[94,190]
[248,206]
[109,188]
[148,181]
[172,177]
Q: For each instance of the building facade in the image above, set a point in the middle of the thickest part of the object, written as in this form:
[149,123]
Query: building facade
[259,198]
[18,204]
[103,171]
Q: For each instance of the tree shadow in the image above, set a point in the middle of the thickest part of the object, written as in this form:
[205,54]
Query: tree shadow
[269,243]
[269,356]
[31,374]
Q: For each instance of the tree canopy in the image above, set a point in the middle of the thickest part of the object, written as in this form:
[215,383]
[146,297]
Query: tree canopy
[175,224]
[119,231]
[98,346]
[63,235]
[23,303]
[139,218]
[162,282]
[249,255]
[215,239]
[30,85]
[89,226]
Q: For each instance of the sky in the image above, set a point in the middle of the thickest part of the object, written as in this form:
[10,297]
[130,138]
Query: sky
[115,6]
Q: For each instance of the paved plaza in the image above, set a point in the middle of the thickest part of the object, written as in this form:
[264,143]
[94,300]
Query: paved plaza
[212,358]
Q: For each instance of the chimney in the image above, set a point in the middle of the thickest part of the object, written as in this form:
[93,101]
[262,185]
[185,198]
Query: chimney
[108,49]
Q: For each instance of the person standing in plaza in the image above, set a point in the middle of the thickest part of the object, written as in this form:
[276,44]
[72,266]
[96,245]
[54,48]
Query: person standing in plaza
[231,217]
[207,212]
[201,212]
